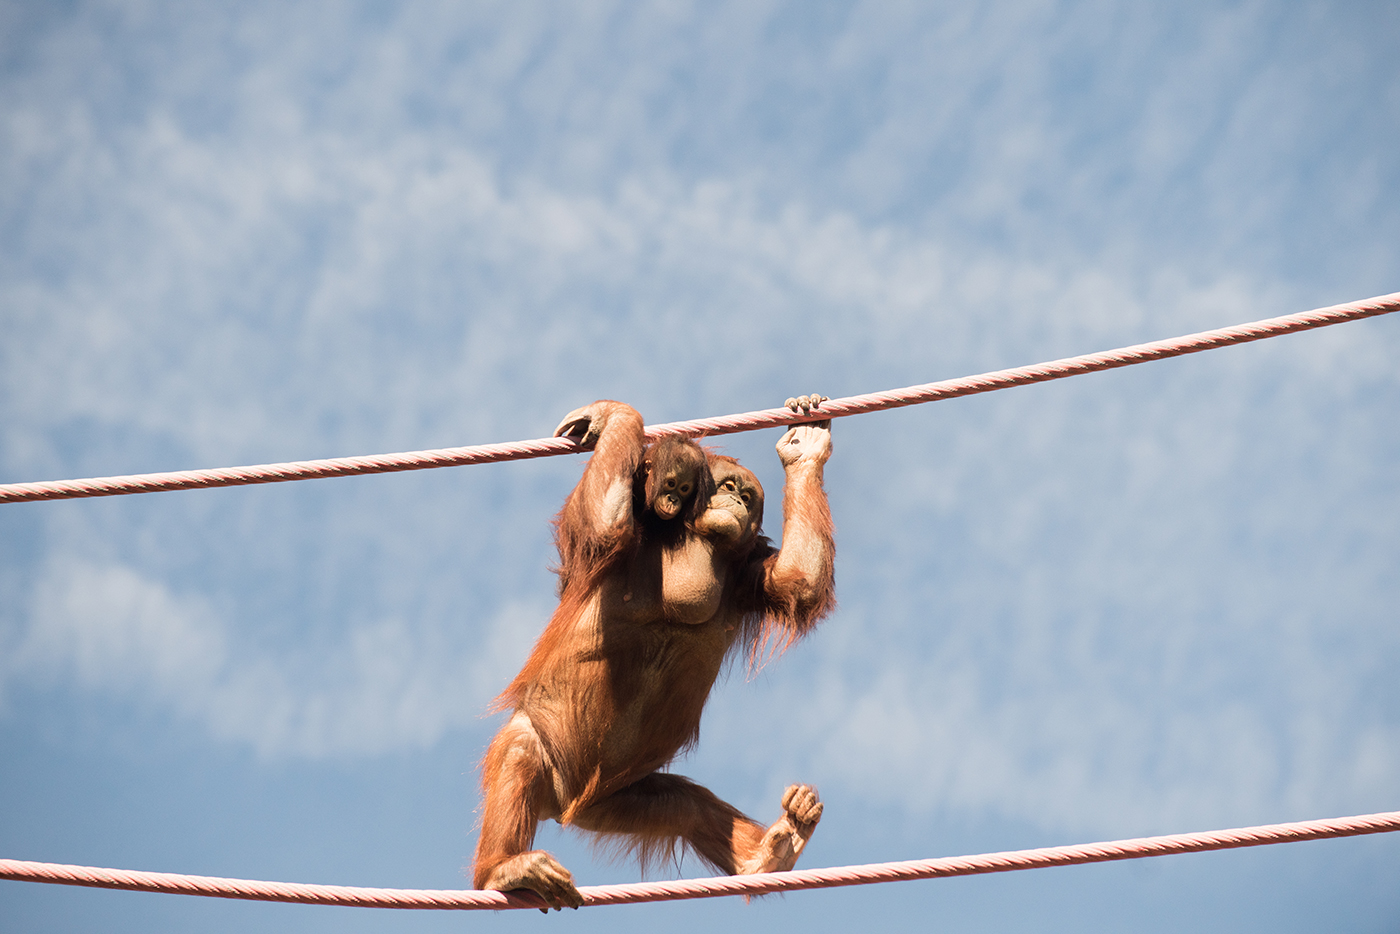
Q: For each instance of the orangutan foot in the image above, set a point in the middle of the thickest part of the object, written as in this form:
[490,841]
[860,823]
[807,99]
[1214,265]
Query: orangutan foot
[540,873]
[785,840]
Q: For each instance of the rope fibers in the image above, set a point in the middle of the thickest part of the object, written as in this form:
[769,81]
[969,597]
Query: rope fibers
[748,421]
[760,884]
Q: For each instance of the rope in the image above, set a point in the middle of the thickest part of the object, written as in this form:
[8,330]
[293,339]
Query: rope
[748,421]
[760,884]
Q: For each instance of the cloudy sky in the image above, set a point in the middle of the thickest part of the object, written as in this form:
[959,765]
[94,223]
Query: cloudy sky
[1147,601]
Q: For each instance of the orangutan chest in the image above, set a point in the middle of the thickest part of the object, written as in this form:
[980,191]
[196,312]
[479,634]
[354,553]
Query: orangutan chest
[681,585]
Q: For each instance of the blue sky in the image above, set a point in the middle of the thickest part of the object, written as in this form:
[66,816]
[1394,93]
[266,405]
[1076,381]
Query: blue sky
[1146,601]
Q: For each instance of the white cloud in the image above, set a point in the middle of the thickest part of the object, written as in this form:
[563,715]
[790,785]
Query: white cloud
[106,629]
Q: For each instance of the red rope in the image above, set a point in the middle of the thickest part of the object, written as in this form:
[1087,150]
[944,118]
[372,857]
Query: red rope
[761,884]
[748,421]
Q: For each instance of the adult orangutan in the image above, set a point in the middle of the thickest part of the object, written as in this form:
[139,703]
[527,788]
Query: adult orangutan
[658,586]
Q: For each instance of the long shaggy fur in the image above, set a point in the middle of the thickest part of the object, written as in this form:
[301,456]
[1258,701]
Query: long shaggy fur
[614,687]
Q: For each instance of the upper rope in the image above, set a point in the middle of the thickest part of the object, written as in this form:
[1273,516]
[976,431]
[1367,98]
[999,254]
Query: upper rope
[728,424]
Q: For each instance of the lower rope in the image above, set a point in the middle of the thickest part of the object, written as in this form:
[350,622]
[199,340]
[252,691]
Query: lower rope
[761,884]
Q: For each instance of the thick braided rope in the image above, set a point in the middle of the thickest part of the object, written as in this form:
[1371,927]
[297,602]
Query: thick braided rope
[175,884]
[748,421]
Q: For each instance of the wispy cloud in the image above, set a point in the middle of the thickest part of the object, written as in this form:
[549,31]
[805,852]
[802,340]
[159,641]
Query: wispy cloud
[1153,595]
[113,632]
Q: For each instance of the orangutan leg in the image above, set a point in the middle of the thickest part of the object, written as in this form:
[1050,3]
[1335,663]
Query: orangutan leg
[516,781]
[655,812]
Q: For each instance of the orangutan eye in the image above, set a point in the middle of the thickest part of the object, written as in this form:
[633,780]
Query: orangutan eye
[685,489]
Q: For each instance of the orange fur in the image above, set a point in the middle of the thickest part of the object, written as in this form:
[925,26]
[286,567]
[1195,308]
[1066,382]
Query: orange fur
[649,612]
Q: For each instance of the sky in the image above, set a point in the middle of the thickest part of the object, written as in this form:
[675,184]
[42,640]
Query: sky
[1155,600]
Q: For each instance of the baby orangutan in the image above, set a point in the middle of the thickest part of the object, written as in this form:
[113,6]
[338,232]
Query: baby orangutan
[675,478]
[664,572]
